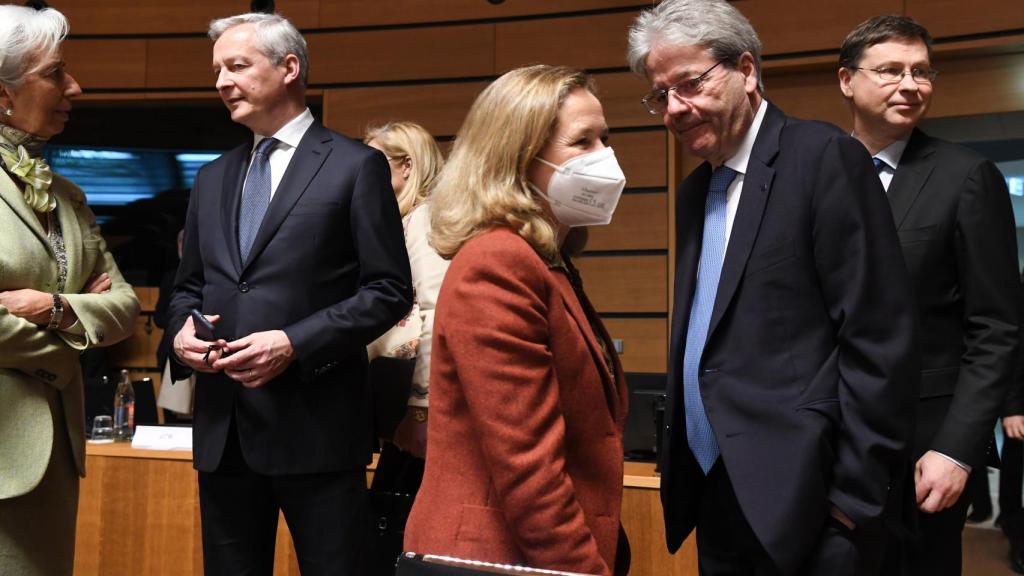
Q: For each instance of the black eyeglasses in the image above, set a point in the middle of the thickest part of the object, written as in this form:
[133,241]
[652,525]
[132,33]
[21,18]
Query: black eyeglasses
[656,101]
[891,74]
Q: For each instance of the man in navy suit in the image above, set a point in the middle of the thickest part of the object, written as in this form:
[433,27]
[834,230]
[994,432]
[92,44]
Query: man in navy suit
[953,216]
[793,361]
[294,248]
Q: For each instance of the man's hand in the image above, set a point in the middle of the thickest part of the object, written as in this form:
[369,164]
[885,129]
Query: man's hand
[29,304]
[195,353]
[938,482]
[1014,427]
[258,358]
[411,434]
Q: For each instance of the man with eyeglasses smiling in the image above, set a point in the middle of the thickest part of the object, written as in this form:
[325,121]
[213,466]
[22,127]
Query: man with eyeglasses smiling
[792,358]
[955,223]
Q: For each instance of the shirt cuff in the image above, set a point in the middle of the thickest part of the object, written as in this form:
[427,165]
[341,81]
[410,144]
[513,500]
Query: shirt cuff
[954,461]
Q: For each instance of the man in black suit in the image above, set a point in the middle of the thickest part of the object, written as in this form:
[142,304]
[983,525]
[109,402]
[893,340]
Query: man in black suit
[792,361]
[955,223]
[294,248]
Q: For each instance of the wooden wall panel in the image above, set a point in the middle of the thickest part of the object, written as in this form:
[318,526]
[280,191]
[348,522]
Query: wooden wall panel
[337,13]
[955,18]
[620,94]
[811,95]
[644,343]
[162,17]
[625,283]
[440,108]
[642,156]
[640,223]
[409,54]
[583,42]
[980,85]
[99,64]
[139,350]
[180,63]
[787,26]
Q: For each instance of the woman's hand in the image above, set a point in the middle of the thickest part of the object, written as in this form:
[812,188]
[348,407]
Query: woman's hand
[32,305]
[97,284]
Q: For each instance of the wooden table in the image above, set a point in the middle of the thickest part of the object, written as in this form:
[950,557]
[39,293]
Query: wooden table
[138,513]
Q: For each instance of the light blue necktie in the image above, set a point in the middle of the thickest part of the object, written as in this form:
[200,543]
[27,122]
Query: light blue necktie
[255,196]
[699,434]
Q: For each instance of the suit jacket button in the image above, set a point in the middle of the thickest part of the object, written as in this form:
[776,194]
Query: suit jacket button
[243,287]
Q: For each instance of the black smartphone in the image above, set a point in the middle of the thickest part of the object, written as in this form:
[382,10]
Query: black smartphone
[204,328]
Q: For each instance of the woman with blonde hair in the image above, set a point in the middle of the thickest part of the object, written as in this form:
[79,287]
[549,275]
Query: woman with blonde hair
[415,162]
[60,293]
[528,398]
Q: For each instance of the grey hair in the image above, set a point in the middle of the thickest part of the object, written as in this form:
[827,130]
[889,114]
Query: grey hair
[716,25]
[26,34]
[276,37]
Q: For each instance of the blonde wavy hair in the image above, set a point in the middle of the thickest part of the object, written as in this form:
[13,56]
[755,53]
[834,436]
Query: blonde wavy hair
[403,141]
[484,183]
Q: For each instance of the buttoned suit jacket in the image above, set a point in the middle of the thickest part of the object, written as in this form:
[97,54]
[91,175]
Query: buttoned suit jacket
[524,459]
[329,267]
[955,223]
[809,366]
[33,358]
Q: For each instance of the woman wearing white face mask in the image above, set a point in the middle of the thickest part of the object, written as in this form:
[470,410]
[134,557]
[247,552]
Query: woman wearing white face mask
[528,398]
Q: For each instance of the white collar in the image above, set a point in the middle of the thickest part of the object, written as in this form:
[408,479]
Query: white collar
[892,153]
[741,158]
[292,132]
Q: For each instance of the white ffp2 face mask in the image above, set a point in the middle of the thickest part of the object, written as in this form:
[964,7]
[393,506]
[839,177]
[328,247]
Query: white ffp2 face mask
[585,190]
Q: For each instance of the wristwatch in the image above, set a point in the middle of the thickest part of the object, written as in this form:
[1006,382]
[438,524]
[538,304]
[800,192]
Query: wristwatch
[56,313]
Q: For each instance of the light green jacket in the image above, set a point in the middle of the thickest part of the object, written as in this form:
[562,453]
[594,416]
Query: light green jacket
[31,357]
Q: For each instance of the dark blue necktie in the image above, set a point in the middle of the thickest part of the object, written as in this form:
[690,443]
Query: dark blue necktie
[879,164]
[699,434]
[255,196]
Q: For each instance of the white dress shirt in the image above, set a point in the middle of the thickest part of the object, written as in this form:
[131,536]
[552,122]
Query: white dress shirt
[288,137]
[890,157]
[739,162]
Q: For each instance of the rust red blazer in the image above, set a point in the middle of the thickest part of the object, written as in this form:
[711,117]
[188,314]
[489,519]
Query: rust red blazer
[524,449]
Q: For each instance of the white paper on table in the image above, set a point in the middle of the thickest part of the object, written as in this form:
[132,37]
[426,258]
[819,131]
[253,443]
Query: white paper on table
[162,438]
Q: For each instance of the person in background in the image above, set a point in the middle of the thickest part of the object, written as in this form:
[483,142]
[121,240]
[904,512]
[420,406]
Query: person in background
[60,293]
[792,360]
[527,396]
[952,212]
[415,162]
[293,248]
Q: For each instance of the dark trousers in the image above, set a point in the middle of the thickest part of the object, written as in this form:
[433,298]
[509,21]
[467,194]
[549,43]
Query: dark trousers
[939,548]
[727,545]
[1011,477]
[326,514]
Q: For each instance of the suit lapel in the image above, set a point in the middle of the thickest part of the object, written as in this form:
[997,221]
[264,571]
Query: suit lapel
[757,184]
[576,309]
[10,194]
[310,155]
[235,168]
[911,176]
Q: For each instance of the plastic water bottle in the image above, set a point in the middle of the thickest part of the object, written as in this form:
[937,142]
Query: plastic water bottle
[124,409]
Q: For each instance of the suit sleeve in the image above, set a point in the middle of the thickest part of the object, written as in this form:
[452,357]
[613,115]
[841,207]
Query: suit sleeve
[986,260]
[188,282]
[39,353]
[868,295]
[384,294]
[1015,398]
[498,338]
[105,318]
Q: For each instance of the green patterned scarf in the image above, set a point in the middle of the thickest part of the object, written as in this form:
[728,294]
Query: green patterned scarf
[21,156]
